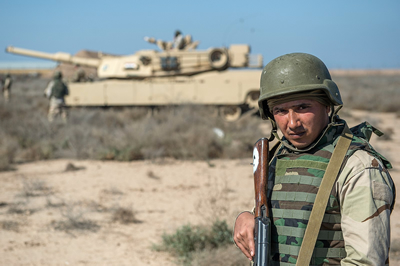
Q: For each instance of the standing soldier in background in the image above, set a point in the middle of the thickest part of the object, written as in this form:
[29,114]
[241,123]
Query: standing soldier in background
[56,91]
[179,42]
[7,87]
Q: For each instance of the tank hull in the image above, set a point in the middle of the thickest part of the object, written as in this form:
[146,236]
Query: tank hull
[227,88]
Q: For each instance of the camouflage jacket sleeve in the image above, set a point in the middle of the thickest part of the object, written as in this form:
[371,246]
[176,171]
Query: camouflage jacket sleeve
[366,194]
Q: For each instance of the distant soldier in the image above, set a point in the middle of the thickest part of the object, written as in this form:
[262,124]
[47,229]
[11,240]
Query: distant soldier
[80,75]
[179,42]
[7,87]
[56,91]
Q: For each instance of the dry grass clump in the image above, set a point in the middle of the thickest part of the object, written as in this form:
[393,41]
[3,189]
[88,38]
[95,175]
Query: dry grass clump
[124,215]
[229,255]
[73,223]
[152,175]
[112,191]
[21,208]
[35,188]
[395,249]
[74,220]
[71,168]
[189,240]
[215,201]
[8,149]
[10,225]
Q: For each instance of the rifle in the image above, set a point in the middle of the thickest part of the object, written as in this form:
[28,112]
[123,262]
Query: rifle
[262,229]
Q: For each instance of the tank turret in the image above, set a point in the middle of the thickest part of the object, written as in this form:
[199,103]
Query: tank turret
[152,63]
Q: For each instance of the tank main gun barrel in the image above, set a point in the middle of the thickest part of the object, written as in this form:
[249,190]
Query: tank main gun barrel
[59,57]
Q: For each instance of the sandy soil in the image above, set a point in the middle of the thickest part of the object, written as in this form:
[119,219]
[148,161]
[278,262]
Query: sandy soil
[39,200]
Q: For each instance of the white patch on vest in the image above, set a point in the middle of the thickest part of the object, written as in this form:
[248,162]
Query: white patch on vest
[277,187]
[255,160]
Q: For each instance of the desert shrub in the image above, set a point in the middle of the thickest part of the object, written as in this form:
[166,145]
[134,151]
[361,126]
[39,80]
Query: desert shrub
[8,150]
[73,224]
[124,215]
[21,208]
[152,175]
[188,239]
[395,249]
[10,225]
[74,220]
[214,202]
[35,188]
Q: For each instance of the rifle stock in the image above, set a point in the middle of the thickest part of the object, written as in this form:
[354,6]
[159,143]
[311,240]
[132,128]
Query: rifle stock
[262,231]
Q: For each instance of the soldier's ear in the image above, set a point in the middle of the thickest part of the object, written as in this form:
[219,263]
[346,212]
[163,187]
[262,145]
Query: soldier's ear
[328,109]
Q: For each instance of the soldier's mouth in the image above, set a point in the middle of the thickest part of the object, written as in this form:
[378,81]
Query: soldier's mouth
[297,135]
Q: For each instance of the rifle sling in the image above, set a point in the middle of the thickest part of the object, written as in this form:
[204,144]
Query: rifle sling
[321,200]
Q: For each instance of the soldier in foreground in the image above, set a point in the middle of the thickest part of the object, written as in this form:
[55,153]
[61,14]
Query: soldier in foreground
[7,87]
[299,97]
[56,90]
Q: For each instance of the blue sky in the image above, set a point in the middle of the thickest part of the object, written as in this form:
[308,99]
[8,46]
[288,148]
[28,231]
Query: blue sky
[345,34]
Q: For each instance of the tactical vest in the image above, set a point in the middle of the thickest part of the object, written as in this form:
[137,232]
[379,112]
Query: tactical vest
[59,90]
[296,177]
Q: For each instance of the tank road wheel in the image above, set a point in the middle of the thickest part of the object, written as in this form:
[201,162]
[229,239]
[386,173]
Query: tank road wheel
[252,99]
[230,113]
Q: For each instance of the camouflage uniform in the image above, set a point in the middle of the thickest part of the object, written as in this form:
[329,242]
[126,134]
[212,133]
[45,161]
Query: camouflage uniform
[355,229]
[356,225]
[56,91]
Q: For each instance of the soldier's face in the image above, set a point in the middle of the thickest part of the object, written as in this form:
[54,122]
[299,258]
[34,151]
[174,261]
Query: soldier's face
[301,121]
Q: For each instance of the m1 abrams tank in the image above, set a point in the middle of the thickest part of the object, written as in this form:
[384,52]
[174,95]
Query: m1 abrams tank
[169,77]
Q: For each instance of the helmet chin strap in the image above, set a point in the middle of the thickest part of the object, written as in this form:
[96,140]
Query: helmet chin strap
[333,118]
[334,114]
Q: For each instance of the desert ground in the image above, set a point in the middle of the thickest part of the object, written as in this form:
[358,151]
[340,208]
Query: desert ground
[65,212]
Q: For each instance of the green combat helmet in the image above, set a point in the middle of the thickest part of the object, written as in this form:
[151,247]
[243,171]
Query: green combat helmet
[293,73]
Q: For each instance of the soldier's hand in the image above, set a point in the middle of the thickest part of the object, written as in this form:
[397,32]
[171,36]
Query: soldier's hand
[243,234]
